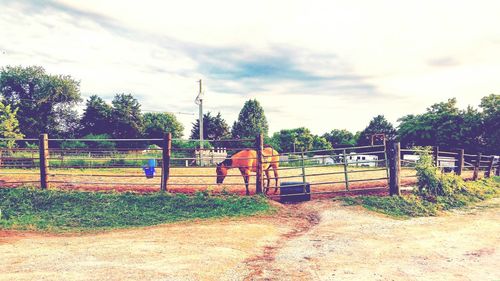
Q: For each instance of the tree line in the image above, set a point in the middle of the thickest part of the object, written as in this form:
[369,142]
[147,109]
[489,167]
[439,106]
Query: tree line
[34,101]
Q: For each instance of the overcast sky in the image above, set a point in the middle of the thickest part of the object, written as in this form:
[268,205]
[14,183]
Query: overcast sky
[319,64]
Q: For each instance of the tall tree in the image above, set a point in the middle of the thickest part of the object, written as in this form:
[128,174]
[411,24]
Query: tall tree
[45,102]
[321,143]
[444,125]
[126,117]
[157,124]
[470,131]
[9,126]
[96,117]
[251,121]
[340,138]
[378,125]
[490,106]
[293,140]
[415,130]
[214,128]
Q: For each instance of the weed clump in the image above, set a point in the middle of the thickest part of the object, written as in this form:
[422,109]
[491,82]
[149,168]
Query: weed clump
[435,191]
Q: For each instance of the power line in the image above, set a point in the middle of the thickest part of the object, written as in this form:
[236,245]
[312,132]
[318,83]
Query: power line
[152,111]
[172,112]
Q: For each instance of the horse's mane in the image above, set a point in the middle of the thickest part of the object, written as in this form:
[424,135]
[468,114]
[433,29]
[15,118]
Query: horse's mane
[228,162]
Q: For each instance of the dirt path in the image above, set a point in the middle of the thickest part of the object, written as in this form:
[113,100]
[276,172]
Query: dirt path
[318,240]
[350,243]
[207,250]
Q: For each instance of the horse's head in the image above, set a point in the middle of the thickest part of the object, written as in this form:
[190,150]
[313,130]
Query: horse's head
[222,170]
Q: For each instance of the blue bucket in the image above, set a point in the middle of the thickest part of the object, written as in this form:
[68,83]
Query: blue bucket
[149,170]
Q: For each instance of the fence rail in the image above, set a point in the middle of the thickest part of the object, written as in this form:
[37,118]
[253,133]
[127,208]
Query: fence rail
[182,164]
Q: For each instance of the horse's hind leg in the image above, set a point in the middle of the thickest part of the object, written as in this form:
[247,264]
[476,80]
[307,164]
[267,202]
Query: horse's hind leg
[268,181]
[275,170]
[246,176]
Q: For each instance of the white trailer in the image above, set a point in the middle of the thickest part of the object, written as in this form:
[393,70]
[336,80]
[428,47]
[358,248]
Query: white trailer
[360,160]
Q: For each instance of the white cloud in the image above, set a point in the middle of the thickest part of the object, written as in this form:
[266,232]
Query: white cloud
[376,57]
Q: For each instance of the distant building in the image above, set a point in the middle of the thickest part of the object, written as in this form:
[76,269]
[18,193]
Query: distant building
[361,160]
[210,157]
[443,161]
[446,162]
[322,159]
[284,158]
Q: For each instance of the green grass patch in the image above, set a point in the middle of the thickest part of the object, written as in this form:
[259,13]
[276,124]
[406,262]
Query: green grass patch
[415,205]
[397,206]
[52,210]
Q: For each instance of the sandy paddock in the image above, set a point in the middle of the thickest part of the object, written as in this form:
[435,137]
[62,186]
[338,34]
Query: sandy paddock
[317,240]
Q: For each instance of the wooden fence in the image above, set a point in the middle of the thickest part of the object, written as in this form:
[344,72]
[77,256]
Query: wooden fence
[316,172]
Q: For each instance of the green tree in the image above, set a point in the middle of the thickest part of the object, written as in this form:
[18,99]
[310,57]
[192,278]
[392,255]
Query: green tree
[321,143]
[443,125]
[378,125]
[96,117]
[340,138]
[444,117]
[45,102]
[490,106]
[471,130]
[126,119]
[293,140]
[251,121]
[157,124]
[214,128]
[414,130]
[9,126]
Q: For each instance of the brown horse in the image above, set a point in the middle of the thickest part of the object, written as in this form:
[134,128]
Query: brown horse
[246,161]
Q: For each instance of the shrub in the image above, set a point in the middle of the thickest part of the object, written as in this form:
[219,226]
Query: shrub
[431,182]
[73,145]
[104,144]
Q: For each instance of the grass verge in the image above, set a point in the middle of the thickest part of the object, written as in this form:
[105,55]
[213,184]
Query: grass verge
[414,205]
[52,210]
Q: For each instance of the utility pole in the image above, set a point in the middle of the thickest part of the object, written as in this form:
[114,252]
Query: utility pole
[199,102]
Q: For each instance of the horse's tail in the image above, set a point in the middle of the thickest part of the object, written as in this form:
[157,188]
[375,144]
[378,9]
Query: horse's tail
[275,166]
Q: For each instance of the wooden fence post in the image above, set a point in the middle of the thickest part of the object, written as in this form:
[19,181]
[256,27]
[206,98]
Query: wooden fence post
[165,163]
[303,170]
[435,154]
[386,158]
[346,172]
[259,179]
[460,163]
[487,174]
[395,168]
[43,146]
[477,165]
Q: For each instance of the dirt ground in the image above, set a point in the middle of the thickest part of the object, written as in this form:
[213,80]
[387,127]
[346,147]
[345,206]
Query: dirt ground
[317,240]
[190,180]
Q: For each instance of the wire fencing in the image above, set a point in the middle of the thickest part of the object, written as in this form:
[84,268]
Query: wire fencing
[177,165]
